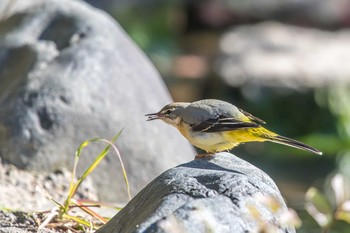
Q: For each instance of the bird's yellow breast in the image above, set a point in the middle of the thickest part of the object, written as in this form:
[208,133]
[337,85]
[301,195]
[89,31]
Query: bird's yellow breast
[224,140]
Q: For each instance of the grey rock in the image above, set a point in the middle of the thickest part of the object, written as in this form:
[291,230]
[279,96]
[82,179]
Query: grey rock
[274,54]
[69,73]
[207,195]
[319,13]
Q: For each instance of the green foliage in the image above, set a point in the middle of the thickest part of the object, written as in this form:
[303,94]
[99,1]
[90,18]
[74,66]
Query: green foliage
[271,204]
[318,207]
[324,209]
[61,213]
[152,28]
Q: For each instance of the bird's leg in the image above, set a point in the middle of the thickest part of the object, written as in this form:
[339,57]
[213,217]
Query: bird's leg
[203,155]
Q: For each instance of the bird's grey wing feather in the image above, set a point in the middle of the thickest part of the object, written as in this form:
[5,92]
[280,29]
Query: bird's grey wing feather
[221,123]
[251,116]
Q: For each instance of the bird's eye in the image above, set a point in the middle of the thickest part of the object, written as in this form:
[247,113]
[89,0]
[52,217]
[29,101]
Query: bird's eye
[168,111]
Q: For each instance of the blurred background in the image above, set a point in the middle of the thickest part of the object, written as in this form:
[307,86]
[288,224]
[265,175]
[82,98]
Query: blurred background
[286,62]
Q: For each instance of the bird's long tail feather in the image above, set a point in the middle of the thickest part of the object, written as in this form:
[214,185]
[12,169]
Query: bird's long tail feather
[294,143]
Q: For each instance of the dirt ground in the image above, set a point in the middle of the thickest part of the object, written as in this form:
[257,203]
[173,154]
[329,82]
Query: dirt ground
[21,201]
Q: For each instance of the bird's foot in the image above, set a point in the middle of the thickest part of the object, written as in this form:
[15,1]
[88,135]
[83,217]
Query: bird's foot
[203,155]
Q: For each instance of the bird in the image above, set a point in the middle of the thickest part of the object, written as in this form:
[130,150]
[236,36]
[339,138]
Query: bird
[216,125]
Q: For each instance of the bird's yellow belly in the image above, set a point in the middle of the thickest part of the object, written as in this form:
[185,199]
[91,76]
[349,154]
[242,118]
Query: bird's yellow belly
[220,141]
[211,142]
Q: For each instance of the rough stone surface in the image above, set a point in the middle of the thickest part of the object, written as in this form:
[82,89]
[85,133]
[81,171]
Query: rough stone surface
[274,54]
[68,73]
[207,195]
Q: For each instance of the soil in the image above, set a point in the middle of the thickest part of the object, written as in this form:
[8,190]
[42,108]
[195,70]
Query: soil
[22,198]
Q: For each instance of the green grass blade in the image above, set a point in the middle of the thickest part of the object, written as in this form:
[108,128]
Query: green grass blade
[72,186]
[101,155]
[79,220]
[75,185]
[122,166]
[48,196]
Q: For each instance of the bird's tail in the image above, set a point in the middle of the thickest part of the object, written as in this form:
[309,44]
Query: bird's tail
[293,143]
[266,135]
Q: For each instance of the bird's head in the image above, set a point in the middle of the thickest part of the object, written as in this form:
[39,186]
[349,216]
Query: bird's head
[170,113]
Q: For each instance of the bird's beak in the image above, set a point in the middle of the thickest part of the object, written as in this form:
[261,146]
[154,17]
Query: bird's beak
[152,116]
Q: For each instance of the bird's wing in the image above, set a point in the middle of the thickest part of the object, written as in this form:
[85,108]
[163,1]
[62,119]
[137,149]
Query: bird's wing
[222,123]
[252,117]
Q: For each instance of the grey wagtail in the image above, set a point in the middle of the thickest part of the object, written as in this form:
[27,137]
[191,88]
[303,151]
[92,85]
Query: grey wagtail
[215,125]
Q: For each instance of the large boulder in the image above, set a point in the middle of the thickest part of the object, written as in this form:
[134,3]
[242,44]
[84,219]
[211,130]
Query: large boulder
[319,13]
[68,73]
[274,54]
[220,194]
